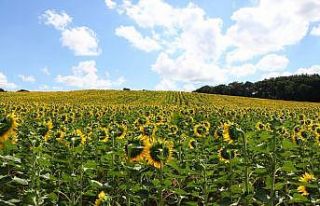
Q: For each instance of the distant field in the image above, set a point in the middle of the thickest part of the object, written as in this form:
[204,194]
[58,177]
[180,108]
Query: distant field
[157,148]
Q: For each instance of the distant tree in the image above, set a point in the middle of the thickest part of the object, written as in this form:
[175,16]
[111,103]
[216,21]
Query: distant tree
[296,87]
[126,89]
[2,90]
[23,90]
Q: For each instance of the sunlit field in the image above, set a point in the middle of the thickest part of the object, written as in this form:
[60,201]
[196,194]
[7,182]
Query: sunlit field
[157,148]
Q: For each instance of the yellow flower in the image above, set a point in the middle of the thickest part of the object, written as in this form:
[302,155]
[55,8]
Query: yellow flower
[118,131]
[82,136]
[260,126]
[102,197]
[218,133]
[230,133]
[159,152]
[306,177]
[226,154]
[200,130]
[303,190]
[136,148]
[9,129]
[49,127]
[192,143]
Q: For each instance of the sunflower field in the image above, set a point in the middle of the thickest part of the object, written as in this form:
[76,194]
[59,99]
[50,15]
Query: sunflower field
[157,148]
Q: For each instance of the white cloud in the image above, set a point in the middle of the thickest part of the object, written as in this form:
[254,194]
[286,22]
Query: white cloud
[273,62]
[190,43]
[269,27]
[130,33]
[166,85]
[4,83]
[193,47]
[315,69]
[187,68]
[27,78]
[315,31]
[243,70]
[110,4]
[85,76]
[45,71]
[58,20]
[189,87]
[81,40]
[274,74]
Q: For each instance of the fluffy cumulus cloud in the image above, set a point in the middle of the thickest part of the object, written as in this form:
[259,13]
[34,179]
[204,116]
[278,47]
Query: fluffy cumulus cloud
[81,40]
[273,62]
[136,39]
[59,20]
[315,69]
[4,82]
[270,26]
[27,78]
[193,47]
[85,76]
[188,41]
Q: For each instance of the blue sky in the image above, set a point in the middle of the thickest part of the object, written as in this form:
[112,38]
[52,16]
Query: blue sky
[154,44]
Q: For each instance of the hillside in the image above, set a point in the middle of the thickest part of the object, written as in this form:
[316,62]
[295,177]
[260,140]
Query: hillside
[147,98]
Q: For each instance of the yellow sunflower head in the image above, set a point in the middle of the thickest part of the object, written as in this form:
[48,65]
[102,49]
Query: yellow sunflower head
[305,180]
[303,190]
[148,129]
[260,126]
[173,129]
[117,131]
[136,148]
[8,126]
[227,154]
[306,177]
[218,133]
[192,143]
[231,133]
[159,152]
[200,130]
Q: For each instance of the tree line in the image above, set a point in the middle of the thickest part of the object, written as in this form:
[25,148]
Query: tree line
[302,87]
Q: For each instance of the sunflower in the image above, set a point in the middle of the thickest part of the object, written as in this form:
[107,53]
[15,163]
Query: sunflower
[303,190]
[305,179]
[102,198]
[227,154]
[173,129]
[200,130]
[83,137]
[218,133]
[192,143]
[303,134]
[230,132]
[47,130]
[296,129]
[159,152]
[118,131]
[148,129]
[8,126]
[260,126]
[103,134]
[136,148]
[141,121]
